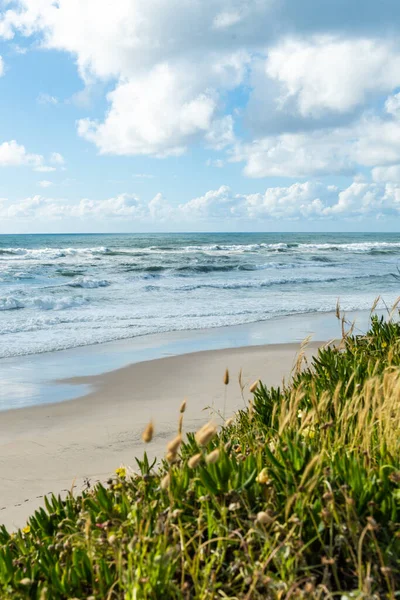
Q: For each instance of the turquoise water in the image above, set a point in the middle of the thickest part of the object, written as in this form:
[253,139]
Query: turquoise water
[63,291]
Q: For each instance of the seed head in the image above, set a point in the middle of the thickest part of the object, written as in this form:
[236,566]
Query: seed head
[147,434]
[173,445]
[226,377]
[229,422]
[254,386]
[206,434]
[165,481]
[171,457]
[265,518]
[194,461]
[183,407]
[212,457]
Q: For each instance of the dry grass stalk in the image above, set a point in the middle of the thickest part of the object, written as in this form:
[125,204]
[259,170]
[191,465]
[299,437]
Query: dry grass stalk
[254,386]
[180,424]
[183,407]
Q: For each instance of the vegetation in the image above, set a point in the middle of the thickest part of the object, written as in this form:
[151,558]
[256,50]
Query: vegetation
[297,497]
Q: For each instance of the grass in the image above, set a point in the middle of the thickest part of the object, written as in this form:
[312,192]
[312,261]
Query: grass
[297,497]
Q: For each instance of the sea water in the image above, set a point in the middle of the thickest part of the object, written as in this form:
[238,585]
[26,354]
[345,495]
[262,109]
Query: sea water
[64,291]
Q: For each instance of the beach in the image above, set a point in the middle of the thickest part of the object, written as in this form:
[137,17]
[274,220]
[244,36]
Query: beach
[52,448]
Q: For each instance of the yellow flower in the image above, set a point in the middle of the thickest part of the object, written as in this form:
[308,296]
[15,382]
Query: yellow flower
[121,472]
[309,433]
[384,344]
[262,477]
[26,529]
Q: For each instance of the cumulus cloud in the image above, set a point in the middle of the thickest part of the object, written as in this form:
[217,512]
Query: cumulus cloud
[13,154]
[310,200]
[177,70]
[45,183]
[1,66]
[327,74]
[169,111]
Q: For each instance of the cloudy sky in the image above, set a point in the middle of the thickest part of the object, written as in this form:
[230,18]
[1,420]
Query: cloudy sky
[196,115]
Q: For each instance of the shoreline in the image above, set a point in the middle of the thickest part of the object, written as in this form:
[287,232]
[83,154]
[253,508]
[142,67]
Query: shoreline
[45,448]
[31,379]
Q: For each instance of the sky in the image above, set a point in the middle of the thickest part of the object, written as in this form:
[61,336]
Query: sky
[199,115]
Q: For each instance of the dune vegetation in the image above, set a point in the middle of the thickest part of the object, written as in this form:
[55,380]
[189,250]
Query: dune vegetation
[297,496]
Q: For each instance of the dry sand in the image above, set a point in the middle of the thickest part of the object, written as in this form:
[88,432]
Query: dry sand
[50,448]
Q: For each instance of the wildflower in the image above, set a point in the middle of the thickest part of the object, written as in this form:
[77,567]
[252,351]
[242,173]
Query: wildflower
[165,481]
[212,457]
[206,434]
[308,433]
[173,445]
[112,539]
[262,477]
[121,472]
[254,386]
[26,529]
[148,433]
[183,407]
[234,506]
[226,377]
[194,461]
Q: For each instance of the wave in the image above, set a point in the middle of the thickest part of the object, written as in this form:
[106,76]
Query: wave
[85,282]
[210,249]
[42,303]
[266,284]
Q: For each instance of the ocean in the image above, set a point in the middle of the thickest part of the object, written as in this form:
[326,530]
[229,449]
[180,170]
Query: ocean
[64,291]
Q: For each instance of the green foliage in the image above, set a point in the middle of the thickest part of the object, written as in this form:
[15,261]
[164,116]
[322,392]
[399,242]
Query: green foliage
[303,501]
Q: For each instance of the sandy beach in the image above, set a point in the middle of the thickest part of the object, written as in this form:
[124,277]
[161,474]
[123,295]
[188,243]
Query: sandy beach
[52,447]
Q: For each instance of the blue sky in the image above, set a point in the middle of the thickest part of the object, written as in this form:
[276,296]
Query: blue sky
[226,115]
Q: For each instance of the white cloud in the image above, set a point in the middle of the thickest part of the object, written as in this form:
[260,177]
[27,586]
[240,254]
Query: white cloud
[386,174]
[45,183]
[1,66]
[218,163]
[215,203]
[327,74]
[47,99]
[158,113]
[13,154]
[56,158]
[308,200]
[226,19]
[45,169]
[172,66]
